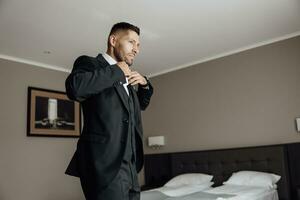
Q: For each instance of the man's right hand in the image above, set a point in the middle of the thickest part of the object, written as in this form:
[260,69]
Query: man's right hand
[125,68]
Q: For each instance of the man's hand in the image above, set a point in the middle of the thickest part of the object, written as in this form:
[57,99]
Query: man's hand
[125,68]
[136,78]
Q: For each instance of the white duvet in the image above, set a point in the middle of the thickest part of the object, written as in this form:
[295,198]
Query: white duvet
[197,192]
[245,192]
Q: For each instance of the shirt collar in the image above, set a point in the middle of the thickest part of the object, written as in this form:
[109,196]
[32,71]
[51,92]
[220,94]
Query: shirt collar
[112,61]
[109,59]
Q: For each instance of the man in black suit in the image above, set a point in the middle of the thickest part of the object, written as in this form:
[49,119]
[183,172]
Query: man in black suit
[109,151]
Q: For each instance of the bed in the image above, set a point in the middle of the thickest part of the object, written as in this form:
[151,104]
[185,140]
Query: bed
[159,168]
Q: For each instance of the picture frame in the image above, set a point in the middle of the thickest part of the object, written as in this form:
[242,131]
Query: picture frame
[51,113]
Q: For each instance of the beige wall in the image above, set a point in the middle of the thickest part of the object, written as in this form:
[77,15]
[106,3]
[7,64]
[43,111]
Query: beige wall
[247,99]
[31,167]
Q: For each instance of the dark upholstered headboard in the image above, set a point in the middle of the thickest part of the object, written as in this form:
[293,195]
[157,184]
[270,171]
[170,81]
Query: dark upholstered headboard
[159,168]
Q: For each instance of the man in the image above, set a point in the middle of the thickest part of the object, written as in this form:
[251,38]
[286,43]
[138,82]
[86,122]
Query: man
[109,151]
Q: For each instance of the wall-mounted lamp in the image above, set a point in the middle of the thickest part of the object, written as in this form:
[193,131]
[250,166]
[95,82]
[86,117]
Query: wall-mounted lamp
[156,141]
[298,124]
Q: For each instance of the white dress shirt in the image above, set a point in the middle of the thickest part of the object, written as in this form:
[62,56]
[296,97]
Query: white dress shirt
[112,61]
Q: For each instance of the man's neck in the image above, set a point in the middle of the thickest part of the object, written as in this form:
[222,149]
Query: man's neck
[109,59]
[111,55]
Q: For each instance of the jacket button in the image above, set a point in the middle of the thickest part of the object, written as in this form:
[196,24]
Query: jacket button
[125,120]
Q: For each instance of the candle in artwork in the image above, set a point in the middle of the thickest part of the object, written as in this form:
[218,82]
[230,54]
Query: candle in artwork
[52,109]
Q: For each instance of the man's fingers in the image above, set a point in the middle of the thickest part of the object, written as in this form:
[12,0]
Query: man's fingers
[135,82]
[130,80]
[134,73]
[138,79]
[133,76]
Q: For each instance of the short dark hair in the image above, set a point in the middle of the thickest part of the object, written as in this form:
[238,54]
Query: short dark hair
[124,26]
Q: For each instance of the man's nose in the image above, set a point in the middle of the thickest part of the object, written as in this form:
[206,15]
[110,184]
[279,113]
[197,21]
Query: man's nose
[135,50]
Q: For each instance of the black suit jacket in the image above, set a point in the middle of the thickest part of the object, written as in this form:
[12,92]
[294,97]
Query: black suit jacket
[98,86]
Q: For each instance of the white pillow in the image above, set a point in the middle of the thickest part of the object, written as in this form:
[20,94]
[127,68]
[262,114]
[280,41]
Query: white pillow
[253,178]
[189,179]
[176,191]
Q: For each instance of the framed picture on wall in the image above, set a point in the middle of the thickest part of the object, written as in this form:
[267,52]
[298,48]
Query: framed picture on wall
[51,113]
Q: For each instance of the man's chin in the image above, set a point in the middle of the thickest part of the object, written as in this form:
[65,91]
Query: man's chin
[129,63]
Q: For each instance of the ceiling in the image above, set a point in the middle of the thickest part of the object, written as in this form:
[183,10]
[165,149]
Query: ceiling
[174,33]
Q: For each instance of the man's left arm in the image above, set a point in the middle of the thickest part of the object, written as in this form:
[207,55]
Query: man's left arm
[144,94]
[145,89]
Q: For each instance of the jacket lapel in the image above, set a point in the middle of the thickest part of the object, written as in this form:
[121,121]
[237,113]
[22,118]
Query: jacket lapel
[136,109]
[117,85]
[122,94]
[133,92]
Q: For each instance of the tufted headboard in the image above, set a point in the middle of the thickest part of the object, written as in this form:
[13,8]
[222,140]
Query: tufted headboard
[159,168]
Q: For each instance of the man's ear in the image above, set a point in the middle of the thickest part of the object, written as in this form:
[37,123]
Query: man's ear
[112,40]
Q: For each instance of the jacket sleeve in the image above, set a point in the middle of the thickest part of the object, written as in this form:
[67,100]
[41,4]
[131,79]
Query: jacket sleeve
[86,79]
[144,95]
